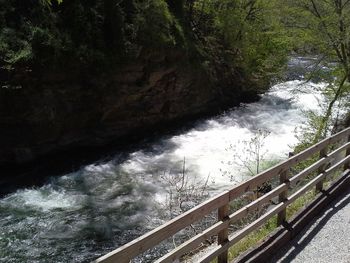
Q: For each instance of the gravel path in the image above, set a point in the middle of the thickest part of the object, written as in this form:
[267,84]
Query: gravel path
[326,240]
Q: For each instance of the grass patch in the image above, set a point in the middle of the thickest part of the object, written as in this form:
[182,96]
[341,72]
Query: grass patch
[253,238]
[258,235]
[299,203]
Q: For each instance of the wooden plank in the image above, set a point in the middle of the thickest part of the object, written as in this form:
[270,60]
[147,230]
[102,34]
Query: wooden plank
[347,165]
[296,178]
[242,233]
[340,135]
[305,188]
[259,179]
[324,161]
[281,206]
[154,237]
[281,217]
[317,179]
[149,240]
[223,214]
[337,165]
[344,147]
[244,211]
[321,169]
[195,241]
[252,183]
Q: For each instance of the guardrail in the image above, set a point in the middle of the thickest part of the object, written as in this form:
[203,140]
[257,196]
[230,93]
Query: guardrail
[323,166]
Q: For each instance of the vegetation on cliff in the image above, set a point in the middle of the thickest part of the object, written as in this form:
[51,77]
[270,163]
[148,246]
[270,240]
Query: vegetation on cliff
[232,39]
[323,28]
[115,59]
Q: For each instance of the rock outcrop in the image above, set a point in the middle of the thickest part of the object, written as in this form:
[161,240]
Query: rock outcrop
[55,112]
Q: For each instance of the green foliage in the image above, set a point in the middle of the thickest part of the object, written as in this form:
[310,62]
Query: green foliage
[157,25]
[249,157]
[13,49]
[83,33]
[253,238]
[300,203]
[323,27]
[249,31]
[227,36]
[319,124]
[320,26]
[184,191]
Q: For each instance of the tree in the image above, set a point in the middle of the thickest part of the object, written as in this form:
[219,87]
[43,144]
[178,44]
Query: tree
[249,156]
[183,192]
[324,26]
[248,33]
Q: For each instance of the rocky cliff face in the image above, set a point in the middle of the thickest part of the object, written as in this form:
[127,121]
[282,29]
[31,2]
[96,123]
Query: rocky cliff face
[55,112]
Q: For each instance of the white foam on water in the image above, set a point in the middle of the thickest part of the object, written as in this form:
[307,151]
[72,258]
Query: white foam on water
[43,199]
[205,147]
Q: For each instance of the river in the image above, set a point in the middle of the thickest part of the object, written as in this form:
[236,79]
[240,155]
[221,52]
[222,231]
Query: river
[80,216]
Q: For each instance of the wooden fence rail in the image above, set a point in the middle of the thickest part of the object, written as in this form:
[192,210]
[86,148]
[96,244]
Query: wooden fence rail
[326,164]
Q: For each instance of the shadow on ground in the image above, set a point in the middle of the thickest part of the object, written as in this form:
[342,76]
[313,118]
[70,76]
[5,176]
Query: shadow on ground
[302,240]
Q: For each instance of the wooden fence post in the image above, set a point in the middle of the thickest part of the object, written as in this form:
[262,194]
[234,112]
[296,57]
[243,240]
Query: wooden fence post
[319,185]
[281,217]
[347,165]
[223,213]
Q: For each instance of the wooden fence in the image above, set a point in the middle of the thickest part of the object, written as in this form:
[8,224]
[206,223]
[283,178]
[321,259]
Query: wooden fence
[333,154]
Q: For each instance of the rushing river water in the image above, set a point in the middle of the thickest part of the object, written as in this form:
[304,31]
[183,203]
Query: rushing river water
[79,216]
